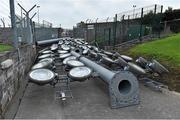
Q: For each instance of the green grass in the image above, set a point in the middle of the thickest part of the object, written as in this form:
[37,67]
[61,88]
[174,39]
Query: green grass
[166,50]
[5,47]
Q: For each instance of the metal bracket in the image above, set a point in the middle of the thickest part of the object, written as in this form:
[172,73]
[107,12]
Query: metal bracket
[63,87]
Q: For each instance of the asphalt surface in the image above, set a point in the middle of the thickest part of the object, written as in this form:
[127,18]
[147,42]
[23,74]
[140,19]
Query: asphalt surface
[91,101]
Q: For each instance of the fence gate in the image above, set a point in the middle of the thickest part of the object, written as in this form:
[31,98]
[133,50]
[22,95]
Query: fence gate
[134,32]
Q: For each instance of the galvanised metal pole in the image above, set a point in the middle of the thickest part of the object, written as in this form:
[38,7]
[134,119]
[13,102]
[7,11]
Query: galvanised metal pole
[154,22]
[123,85]
[13,23]
[128,20]
[87,38]
[114,31]
[95,34]
[107,77]
[29,30]
[155,8]
[160,21]
[140,34]
[38,13]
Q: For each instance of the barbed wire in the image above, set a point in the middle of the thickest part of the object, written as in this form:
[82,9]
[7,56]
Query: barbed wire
[130,14]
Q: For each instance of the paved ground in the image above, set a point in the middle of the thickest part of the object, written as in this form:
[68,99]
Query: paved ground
[91,101]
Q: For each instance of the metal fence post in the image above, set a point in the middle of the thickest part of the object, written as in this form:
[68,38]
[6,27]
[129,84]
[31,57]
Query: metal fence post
[128,19]
[34,32]
[140,34]
[161,9]
[123,27]
[29,33]
[160,20]
[95,25]
[153,24]
[29,30]
[114,31]
[155,9]
[87,38]
[13,23]
[109,42]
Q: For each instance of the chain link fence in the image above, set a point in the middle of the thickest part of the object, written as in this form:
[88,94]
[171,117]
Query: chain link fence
[27,31]
[22,23]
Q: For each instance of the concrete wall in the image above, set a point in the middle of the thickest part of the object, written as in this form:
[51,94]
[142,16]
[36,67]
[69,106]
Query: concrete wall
[12,78]
[6,35]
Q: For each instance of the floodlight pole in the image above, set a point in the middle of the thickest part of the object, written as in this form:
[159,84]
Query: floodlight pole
[119,97]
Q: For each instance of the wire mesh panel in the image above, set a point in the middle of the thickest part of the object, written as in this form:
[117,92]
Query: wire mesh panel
[124,26]
[139,22]
[23,30]
[21,24]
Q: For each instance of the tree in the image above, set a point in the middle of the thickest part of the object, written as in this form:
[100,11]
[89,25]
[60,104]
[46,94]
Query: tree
[168,14]
[148,18]
[153,20]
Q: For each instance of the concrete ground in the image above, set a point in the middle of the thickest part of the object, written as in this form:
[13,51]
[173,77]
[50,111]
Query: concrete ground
[91,100]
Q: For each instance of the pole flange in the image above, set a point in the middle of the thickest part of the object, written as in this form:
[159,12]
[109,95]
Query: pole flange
[124,90]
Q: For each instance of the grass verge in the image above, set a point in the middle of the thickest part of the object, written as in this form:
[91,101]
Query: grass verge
[165,50]
[4,47]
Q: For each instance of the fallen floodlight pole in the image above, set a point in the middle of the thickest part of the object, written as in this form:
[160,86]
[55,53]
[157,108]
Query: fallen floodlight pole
[49,41]
[123,85]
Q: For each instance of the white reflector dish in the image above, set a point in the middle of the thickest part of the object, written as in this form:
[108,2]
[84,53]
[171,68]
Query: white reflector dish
[47,52]
[41,76]
[48,60]
[40,65]
[62,51]
[80,73]
[45,56]
[68,58]
[74,63]
[63,56]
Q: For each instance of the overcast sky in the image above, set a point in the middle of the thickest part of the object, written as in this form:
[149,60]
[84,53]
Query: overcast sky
[69,12]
